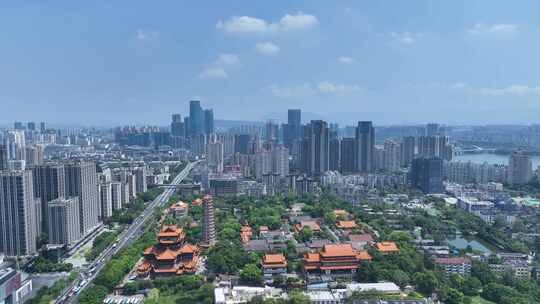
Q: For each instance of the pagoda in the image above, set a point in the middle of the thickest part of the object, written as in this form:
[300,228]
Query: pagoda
[171,255]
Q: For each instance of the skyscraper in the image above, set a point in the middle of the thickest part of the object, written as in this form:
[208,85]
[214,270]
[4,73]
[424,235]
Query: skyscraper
[3,158]
[407,150]
[365,143]
[209,225]
[208,121]
[63,227]
[294,127]
[81,181]
[49,184]
[519,168]
[334,154]
[315,148]
[196,118]
[426,174]
[18,218]
[348,155]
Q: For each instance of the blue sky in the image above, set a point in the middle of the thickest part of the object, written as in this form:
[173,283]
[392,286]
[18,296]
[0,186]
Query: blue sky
[117,62]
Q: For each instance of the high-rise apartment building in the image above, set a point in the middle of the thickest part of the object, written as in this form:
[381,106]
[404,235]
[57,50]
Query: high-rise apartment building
[177,126]
[365,141]
[18,218]
[34,155]
[519,168]
[432,129]
[426,174]
[117,195]
[81,181]
[315,148]
[408,146]
[215,156]
[49,184]
[391,158]
[3,157]
[63,221]
[334,154]
[209,225]
[105,194]
[348,155]
[140,174]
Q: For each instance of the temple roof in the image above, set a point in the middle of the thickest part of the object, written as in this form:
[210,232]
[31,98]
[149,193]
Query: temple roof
[346,224]
[386,247]
[337,250]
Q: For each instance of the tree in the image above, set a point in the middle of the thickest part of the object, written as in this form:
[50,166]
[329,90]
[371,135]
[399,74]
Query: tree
[471,286]
[426,282]
[226,257]
[305,234]
[400,277]
[296,297]
[251,274]
[453,296]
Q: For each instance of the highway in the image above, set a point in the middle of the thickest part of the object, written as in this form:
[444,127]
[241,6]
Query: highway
[87,275]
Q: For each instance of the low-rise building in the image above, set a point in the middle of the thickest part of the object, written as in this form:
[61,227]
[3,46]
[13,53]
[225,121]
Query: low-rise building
[460,265]
[334,260]
[273,264]
[386,247]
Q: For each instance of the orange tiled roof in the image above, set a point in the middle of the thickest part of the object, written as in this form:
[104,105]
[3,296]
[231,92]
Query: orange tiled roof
[335,250]
[387,247]
[274,258]
[188,248]
[167,254]
[196,202]
[363,256]
[170,230]
[312,257]
[346,224]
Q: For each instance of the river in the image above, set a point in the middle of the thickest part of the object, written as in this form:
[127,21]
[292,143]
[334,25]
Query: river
[492,159]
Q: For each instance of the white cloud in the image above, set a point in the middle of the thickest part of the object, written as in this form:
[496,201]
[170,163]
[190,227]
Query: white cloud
[346,60]
[406,37]
[217,69]
[227,59]
[300,21]
[337,89]
[308,89]
[266,48]
[145,35]
[498,28]
[213,73]
[247,24]
[516,90]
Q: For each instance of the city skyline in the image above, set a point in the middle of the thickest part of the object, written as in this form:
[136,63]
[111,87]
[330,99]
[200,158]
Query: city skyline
[245,60]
